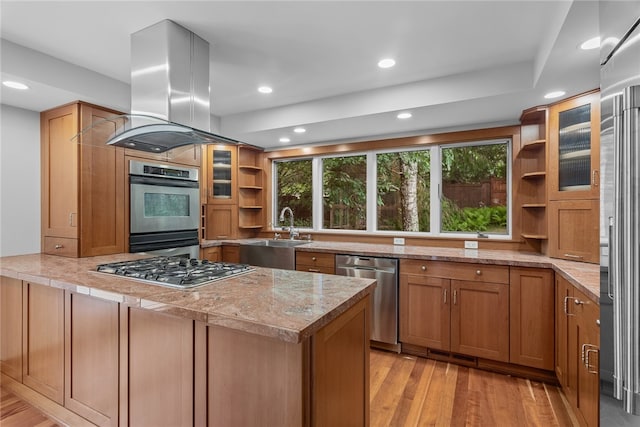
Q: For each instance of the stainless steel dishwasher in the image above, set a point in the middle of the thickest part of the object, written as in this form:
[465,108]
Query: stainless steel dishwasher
[384,304]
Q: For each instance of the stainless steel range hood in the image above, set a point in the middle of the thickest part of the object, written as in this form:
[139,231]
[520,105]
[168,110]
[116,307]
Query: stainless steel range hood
[169,91]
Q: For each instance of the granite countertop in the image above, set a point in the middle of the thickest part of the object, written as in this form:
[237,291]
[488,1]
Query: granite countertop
[584,276]
[286,305]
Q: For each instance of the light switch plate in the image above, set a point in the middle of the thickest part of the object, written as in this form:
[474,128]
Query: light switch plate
[398,240]
[470,244]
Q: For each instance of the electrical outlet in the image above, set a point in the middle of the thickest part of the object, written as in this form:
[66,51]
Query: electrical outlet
[470,244]
[398,240]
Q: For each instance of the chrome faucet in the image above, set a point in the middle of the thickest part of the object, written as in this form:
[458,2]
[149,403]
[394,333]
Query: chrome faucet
[292,231]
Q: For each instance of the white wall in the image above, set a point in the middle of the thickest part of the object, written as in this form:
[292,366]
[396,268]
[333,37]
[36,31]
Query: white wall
[19,181]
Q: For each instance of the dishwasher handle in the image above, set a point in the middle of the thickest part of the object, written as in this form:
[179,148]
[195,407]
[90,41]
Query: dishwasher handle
[362,267]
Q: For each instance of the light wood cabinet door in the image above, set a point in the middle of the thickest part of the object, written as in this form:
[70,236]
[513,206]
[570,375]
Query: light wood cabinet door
[425,311]
[574,148]
[221,222]
[158,350]
[222,174]
[91,360]
[316,262]
[531,324]
[588,368]
[11,327]
[480,319]
[59,163]
[574,230]
[43,340]
[563,293]
[211,254]
[231,253]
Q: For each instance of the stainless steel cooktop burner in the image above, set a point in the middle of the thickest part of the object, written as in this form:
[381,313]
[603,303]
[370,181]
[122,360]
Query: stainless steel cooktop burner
[177,272]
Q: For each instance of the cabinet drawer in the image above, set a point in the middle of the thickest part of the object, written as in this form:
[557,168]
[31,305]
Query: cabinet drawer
[456,270]
[61,246]
[315,269]
[316,259]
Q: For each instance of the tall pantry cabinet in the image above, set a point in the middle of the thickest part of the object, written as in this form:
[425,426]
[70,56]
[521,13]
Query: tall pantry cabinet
[83,182]
[574,178]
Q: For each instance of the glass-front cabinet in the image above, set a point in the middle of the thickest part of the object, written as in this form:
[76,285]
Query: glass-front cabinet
[574,155]
[222,174]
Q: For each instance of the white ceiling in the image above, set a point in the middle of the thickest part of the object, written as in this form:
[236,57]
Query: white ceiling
[460,64]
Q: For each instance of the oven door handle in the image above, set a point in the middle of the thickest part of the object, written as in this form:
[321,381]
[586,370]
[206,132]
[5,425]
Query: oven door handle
[164,182]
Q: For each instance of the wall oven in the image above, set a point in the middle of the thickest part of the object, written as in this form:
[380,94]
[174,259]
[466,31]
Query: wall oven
[164,208]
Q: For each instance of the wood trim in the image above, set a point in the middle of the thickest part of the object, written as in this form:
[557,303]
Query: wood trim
[201,355]
[123,420]
[11,307]
[53,410]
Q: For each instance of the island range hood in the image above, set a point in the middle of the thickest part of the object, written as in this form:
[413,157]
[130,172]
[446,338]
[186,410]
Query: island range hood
[169,91]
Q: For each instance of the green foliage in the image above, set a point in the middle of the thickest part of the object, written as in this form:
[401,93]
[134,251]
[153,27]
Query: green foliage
[486,218]
[295,190]
[344,187]
[474,163]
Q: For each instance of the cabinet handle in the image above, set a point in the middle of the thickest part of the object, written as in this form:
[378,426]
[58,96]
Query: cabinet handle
[444,296]
[587,349]
[478,272]
[71,214]
[595,176]
[314,270]
[566,306]
[58,246]
[423,268]
[314,258]
[573,256]
[455,297]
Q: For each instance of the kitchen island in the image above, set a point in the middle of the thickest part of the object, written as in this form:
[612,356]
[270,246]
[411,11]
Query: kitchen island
[268,347]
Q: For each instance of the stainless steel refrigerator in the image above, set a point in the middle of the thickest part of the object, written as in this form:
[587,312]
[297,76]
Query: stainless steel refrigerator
[620,213]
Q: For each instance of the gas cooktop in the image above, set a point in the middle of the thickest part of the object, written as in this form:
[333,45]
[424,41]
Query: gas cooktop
[177,272]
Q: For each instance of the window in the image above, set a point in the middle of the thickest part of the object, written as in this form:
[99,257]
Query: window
[344,193]
[293,185]
[403,185]
[474,188]
[448,189]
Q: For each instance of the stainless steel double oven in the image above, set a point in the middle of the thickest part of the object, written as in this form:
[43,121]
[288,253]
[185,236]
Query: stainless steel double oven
[164,209]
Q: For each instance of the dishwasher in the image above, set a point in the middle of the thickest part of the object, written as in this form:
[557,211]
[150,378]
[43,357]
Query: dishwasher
[384,301]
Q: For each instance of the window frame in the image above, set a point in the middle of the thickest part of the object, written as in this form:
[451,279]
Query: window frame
[435,156]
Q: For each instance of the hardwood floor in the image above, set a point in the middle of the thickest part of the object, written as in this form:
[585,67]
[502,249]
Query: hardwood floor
[14,412]
[412,391]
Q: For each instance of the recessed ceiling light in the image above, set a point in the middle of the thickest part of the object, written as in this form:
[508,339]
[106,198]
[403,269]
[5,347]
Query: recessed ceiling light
[386,63]
[265,89]
[554,94]
[285,139]
[299,130]
[405,115]
[15,85]
[593,43]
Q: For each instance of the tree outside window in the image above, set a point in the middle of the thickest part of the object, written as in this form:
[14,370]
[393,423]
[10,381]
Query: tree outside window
[403,202]
[344,193]
[295,190]
[474,189]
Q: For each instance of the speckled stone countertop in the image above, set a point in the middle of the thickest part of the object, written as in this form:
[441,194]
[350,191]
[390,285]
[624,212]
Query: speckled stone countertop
[584,276]
[286,305]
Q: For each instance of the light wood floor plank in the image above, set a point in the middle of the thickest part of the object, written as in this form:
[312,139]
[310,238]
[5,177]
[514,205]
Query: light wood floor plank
[410,391]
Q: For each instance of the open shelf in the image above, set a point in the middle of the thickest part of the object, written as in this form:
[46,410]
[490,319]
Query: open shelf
[533,145]
[251,207]
[535,236]
[534,175]
[534,205]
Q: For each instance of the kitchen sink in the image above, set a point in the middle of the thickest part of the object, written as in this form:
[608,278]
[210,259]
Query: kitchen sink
[271,253]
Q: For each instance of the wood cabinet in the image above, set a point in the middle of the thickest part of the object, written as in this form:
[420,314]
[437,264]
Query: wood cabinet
[231,253]
[532,186]
[211,253]
[158,351]
[251,194]
[222,175]
[92,358]
[11,327]
[221,222]
[43,340]
[531,319]
[574,155]
[83,182]
[190,155]
[577,354]
[574,230]
[463,305]
[316,262]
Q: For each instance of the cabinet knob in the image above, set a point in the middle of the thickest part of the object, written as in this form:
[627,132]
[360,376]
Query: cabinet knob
[478,272]
[58,246]
[314,258]
[423,268]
